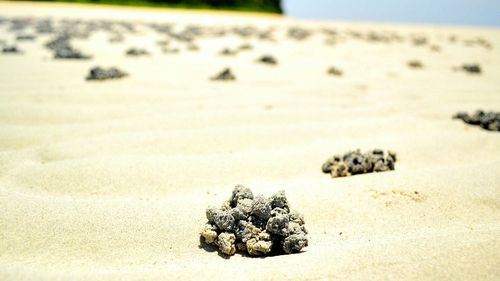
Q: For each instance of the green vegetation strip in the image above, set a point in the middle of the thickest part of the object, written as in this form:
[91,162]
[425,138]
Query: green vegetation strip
[266,6]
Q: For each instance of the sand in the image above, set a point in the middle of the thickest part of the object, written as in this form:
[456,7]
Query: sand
[109,181]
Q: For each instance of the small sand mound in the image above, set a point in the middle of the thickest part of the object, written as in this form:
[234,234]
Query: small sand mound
[255,225]
[334,71]
[415,64]
[355,162]
[267,59]
[11,50]
[472,68]
[487,120]
[225,75]
[99,73]
[136,52]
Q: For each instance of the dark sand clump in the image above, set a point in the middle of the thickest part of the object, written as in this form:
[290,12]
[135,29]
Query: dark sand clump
[334,71]
[487,120]
[11,50]
[61,41]
[355,162]
[225,75]
[62,48]
[228,52]
[25,37]
[255,225]
[415,64]
[70,53]
[136,52]
[99,73]
[268,60]
[472,68]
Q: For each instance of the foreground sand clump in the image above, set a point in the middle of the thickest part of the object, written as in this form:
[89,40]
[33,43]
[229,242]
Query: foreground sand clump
[257,225]
[355,162]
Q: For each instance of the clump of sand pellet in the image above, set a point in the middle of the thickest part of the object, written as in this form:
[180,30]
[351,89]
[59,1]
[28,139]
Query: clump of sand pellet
[25,37]
[487,120]
[268,59]
[100,73]
[471,68]
[334,71]
[70,53]
[256,225]
[136,52]
[228,52]
[11,50]
[355,162]
[225,75]
[62,48]
[415,64]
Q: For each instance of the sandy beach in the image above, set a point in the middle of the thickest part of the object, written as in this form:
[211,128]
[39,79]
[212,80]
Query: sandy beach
[110,180]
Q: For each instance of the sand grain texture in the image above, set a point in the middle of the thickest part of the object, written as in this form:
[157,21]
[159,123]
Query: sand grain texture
[109,181]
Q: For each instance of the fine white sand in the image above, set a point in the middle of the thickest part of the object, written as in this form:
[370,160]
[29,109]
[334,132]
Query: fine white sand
[109,181]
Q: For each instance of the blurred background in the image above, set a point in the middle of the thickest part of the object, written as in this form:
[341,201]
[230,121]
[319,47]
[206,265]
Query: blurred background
[452,12]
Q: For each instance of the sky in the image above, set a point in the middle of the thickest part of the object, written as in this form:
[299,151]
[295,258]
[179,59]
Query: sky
[450,12]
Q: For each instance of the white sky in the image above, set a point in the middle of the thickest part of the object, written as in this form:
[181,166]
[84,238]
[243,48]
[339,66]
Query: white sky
[459,12]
